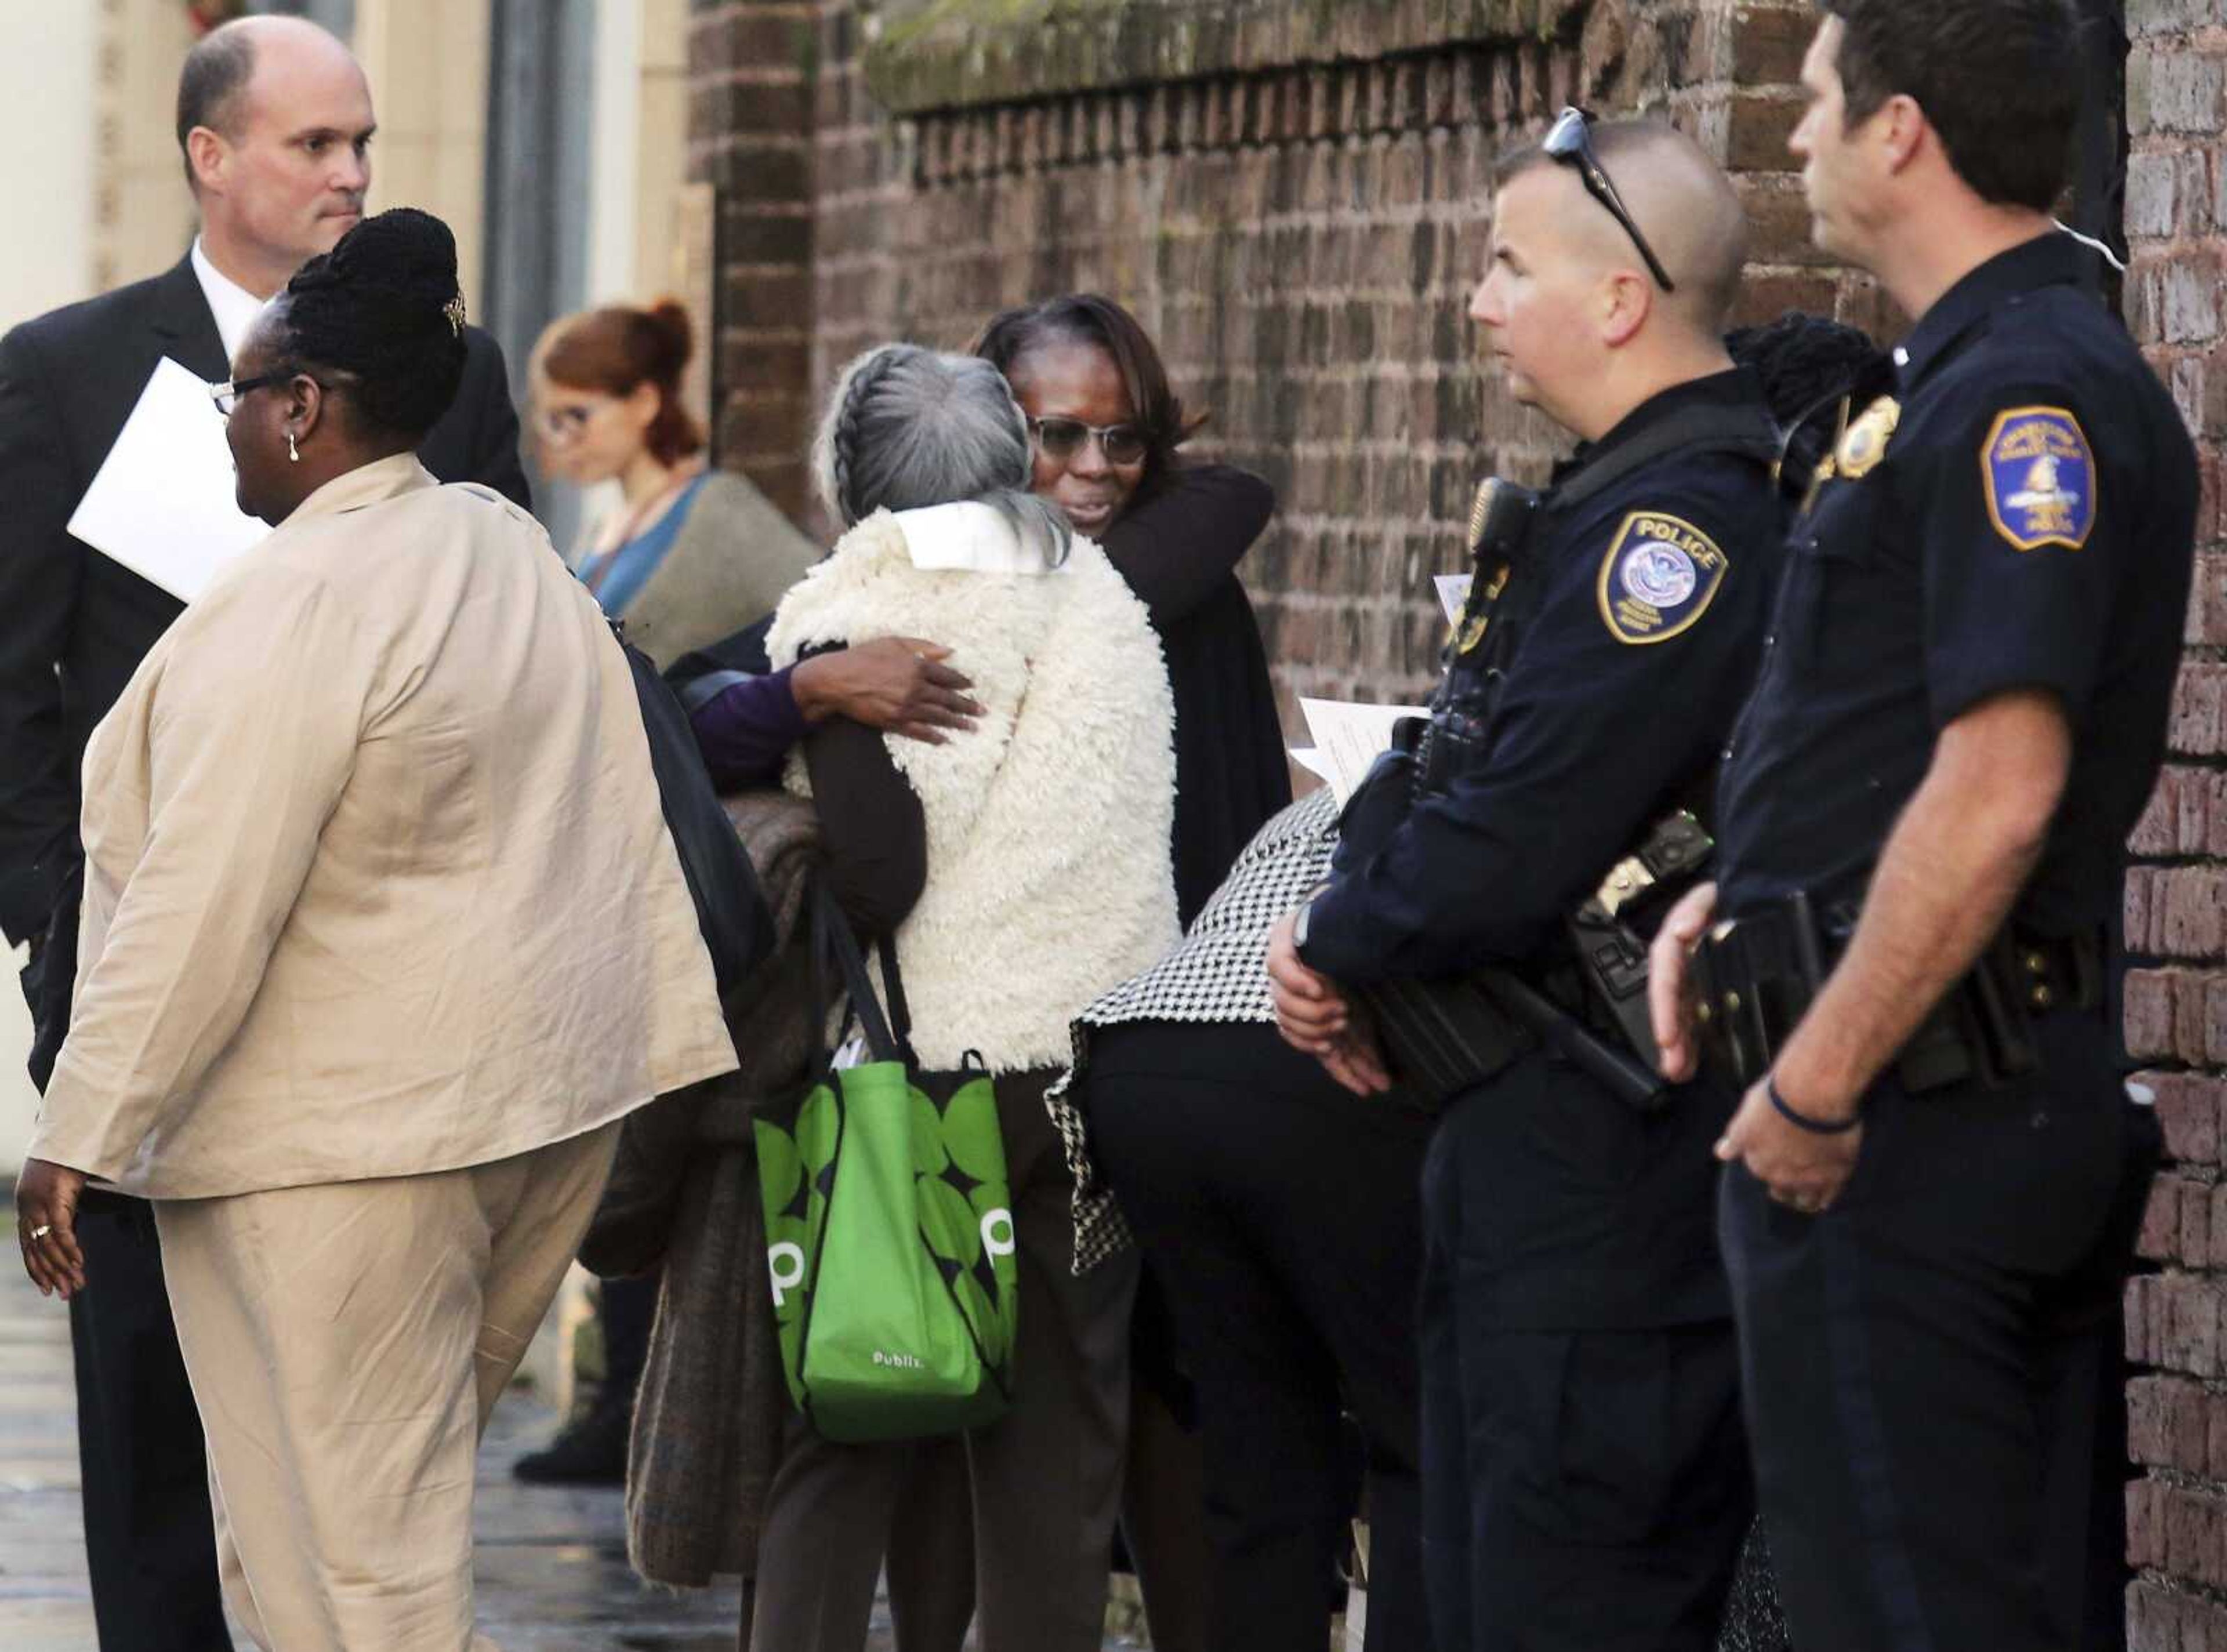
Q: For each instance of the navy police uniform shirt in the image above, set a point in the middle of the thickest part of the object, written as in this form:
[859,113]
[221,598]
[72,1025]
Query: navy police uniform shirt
[1638,645]
[2011,506]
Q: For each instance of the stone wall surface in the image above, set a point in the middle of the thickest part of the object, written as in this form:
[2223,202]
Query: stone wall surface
[2176,904]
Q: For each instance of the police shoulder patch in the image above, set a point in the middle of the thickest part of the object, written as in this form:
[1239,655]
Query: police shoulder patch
[2039,473]
[1660,575]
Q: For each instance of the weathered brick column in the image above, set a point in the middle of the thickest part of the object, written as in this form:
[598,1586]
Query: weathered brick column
[2176,908]
[749,135]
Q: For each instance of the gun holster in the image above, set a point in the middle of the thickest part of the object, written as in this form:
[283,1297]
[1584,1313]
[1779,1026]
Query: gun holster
[1610,931]
[1754,980]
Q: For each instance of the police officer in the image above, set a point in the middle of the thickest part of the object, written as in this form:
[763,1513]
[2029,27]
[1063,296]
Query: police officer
[1585,1477]
[1960,715]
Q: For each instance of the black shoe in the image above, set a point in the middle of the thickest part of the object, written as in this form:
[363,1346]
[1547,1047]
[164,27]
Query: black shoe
[589,1452]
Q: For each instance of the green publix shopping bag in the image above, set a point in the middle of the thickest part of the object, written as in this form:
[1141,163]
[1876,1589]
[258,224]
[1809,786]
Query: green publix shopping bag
[890,1233]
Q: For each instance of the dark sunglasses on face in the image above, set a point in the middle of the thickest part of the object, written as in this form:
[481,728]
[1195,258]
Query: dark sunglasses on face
[1063,439]
[1568,139]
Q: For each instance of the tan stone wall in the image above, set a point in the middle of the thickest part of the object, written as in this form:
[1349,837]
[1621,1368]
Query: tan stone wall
[661,229]
[427,62]
[144,212]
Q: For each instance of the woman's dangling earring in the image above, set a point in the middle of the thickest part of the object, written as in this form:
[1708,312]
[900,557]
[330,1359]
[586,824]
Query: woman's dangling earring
[292,452]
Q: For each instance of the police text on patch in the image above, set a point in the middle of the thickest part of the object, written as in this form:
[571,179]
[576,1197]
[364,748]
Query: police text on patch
[1660,575]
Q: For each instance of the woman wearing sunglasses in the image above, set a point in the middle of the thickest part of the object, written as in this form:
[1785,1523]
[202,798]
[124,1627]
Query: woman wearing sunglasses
[1105,427]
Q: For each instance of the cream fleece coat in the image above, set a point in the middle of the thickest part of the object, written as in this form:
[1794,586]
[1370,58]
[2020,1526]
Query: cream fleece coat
[1049,879]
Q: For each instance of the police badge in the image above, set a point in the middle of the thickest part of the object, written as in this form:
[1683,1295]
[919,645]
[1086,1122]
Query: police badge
[2041,477]
[1863,444]
[1660,575]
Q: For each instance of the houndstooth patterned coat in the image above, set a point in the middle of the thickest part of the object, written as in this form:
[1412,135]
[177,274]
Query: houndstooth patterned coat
[1215,972]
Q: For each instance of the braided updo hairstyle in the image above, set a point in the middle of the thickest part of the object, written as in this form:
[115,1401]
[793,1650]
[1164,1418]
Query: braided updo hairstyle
[908,427]
[381,312]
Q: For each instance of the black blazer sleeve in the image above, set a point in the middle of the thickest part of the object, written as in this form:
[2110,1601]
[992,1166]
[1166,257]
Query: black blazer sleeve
[41,574]
[477,439]
[1179,539]
[871,825]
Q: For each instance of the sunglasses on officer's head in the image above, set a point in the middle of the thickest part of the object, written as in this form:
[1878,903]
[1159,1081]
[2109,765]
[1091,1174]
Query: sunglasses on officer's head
[1063,439]
[1569,139]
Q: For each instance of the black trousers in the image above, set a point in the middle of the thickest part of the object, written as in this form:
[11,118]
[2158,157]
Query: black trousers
[628,1309]
[1584,1473]
[149,1538]
[1924,1362]
[1279,1214]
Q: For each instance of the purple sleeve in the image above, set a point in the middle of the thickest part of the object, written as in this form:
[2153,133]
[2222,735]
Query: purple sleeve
[746,728]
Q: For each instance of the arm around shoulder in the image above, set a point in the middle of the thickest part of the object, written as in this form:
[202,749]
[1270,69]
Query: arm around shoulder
[1176,544]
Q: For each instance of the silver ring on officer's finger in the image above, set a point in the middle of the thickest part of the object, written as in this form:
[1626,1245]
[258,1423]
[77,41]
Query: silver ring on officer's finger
[41,1230]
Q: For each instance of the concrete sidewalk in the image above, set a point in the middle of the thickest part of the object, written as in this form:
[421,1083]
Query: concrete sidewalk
[552,1571]
[553,1575]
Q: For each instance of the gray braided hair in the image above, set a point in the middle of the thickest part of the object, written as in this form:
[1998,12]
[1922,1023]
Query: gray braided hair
[908,427]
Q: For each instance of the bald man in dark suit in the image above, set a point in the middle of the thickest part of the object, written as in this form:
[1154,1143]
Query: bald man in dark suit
[274,121]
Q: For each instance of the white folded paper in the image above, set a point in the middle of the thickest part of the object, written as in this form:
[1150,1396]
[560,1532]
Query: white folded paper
[1349,737]
[1453,592]
[162,503]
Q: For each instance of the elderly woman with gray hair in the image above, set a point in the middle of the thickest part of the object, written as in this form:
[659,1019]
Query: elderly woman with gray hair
[1021,869]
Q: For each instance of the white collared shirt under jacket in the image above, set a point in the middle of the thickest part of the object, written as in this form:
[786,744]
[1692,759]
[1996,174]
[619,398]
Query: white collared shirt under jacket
[376,878]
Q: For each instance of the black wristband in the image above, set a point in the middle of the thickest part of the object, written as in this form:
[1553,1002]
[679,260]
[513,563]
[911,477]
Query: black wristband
[1814,1126]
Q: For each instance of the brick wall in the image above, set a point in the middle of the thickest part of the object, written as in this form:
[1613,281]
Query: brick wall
[1290,195]
[2176,907]
[751,74]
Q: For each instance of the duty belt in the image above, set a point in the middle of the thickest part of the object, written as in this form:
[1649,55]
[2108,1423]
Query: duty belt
[1756,977]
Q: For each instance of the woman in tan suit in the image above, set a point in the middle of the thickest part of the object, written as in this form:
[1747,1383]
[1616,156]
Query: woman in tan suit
[383,934]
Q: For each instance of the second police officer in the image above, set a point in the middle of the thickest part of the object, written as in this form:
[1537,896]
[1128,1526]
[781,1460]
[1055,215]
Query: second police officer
[1923,815]
[1584,1477]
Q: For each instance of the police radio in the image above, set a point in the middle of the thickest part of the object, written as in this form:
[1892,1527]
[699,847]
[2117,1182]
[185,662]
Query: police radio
[1427,752]
[1501,521]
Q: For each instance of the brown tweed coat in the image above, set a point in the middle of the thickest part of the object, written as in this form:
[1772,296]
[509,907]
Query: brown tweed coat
[684,1197]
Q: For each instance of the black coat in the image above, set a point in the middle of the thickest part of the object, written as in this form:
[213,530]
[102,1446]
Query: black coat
[73,624]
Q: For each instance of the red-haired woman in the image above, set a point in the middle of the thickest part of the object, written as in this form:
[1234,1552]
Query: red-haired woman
[690,554]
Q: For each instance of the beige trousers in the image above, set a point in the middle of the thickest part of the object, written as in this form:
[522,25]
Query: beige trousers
[345,1343]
